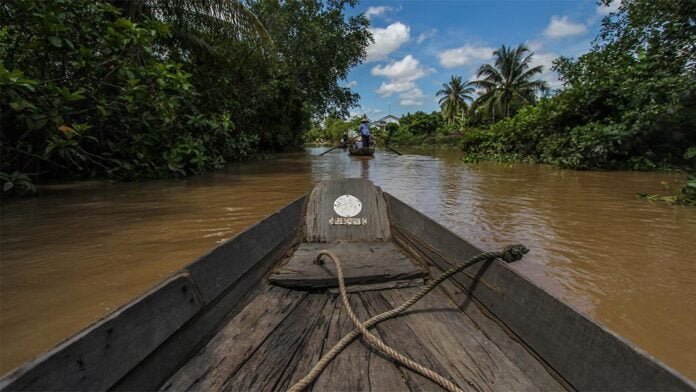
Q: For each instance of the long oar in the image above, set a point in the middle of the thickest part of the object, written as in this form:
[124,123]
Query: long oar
[397,153]
[393,150]
[329,150]
[349,143]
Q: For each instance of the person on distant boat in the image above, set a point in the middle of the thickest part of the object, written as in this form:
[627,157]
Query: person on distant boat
[364,131]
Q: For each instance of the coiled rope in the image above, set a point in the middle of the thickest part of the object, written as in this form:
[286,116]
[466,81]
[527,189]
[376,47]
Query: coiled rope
[509,254]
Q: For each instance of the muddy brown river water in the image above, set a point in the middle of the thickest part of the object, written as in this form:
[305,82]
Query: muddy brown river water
[83,249]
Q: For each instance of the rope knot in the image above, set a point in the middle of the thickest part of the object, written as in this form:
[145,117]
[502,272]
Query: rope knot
[513,253]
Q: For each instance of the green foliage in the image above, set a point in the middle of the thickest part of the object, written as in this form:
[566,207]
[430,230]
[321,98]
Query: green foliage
[419,128]
[421,123]
[688,192]
[333,130]
[628,103]
[198,24]
[392,128]
[94,90]
[17,184]
[679,195]
[86,86]
[455,95]
[508,83]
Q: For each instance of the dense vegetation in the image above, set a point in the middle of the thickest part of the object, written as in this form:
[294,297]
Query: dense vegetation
[332,129]
[676,193]
[129,89]
[420,129]
[504,87]
[628,103]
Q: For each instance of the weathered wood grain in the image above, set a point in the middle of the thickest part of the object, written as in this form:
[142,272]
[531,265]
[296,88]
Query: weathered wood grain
[264,369]
[586,354]
[363,263]
[320,210]
[236,341]
[311,352]
[396,284]
[171,355]
[97,357]
[384,374]
[399,335]
[459,345]
[545,378]
[357,367]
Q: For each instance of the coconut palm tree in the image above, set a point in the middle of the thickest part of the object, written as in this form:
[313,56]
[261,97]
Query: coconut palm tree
[509,81]
[454,94]
[198,24]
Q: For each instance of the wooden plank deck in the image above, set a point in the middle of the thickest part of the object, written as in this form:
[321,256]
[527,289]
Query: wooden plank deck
[363,263]
[281,334]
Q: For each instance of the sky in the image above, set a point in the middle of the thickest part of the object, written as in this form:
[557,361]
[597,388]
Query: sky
[419,44]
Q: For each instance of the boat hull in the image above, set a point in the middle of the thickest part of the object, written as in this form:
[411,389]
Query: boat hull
[209,323]
[367,152]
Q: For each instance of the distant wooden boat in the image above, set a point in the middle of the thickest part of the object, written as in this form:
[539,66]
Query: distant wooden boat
[256,313]
[365,151]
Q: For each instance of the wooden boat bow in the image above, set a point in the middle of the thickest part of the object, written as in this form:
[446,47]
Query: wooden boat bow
[252,315]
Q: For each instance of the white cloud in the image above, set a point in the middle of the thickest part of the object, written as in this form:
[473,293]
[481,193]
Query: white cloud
[404,70]
[426,35]
[464,55]
[546,60]
[412,97]
[387,40]
[401,76]
[560,27]
[608,9]
[375,11]
[365,111]
[352,83]
[534,45]
[387,89]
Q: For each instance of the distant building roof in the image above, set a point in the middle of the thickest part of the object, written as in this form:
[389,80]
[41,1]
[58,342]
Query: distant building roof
[389,117]
[385,120]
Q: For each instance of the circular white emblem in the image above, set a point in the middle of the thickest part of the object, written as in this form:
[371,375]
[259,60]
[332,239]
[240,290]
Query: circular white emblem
[347,206]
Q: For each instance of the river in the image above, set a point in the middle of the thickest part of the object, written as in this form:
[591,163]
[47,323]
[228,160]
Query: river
[82,249]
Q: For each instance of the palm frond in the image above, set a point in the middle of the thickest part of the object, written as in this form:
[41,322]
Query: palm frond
[202,24]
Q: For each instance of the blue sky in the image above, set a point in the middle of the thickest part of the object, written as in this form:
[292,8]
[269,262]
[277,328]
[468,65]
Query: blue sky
[419,44]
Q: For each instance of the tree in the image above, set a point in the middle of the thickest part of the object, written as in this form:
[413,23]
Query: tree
[630,102]
[199,24]
[317,44]
[335,128]
[455,94]
[421,123]
[509,82]
[637,84]
[86,90]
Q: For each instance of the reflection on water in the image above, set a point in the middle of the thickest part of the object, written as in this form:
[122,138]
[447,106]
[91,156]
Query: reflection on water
[81,250]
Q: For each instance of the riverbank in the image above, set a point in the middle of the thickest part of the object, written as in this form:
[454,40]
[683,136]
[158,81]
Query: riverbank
[119,92]
[485,145]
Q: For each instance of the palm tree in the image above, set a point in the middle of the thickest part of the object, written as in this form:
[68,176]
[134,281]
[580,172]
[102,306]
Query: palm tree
[454,94]
[509,80]
[198,24]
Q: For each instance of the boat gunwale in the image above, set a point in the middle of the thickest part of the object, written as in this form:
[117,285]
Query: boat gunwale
[527,337]
[22,377]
